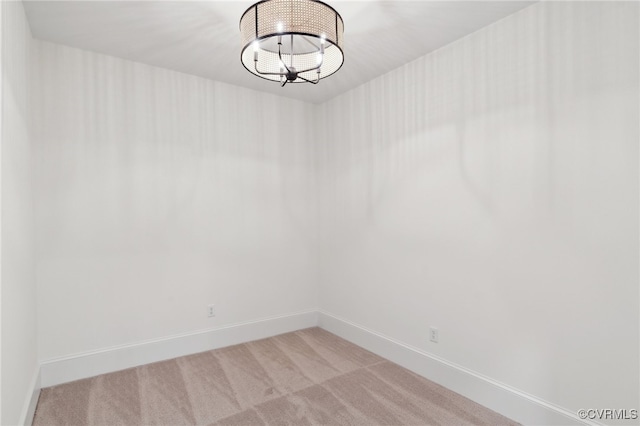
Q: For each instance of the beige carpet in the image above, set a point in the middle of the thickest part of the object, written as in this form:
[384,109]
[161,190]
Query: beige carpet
[301,378]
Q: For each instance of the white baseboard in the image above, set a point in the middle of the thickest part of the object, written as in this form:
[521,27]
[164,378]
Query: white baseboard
[506,400]
[29,409]
[107,360]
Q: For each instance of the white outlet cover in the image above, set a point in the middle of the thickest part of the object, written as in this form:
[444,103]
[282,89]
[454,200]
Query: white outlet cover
[433,334]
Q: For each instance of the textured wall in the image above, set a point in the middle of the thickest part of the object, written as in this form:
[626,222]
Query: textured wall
[491,189]
[158,193]
[18,283]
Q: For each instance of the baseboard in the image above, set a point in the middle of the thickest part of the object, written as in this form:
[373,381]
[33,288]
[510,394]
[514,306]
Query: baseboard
[504,399]
[107,360]
[29,409]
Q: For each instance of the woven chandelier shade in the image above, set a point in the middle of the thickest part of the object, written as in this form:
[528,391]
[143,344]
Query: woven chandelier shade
[291,41]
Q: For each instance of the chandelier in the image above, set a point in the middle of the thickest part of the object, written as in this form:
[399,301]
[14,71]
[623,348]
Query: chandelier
[291,41]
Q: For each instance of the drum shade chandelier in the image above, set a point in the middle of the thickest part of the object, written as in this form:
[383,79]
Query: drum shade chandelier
[291,41]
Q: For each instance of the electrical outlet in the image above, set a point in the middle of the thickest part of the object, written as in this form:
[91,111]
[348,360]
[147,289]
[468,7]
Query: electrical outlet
[434,334]
[211,311]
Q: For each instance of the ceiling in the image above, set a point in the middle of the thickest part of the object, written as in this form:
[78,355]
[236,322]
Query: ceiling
[202,37]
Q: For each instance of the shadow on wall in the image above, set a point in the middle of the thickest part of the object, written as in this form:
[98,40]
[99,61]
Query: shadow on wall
[156,157]
[503,109]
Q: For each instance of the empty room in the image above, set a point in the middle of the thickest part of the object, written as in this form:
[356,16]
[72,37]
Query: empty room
[302,212]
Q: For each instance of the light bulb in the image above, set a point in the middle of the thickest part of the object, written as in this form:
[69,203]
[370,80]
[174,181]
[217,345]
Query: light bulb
[256,45]
[280,27]
[319,58]
[323,38]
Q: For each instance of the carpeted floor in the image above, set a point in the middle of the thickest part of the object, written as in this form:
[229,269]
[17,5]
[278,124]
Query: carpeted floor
[301,378]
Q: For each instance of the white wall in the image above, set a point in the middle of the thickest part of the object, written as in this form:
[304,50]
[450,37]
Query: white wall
[491,189]
[158,193]
[19,364]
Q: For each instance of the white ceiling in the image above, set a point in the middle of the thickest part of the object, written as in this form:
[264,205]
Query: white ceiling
[202,37]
